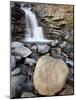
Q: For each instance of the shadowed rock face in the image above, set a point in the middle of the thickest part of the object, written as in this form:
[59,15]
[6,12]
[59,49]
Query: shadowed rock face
[50,75]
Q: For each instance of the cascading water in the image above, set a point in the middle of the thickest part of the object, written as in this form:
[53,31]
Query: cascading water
[34,33]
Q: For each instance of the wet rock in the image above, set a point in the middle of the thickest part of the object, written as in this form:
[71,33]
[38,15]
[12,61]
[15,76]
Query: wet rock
[13,62]
[69,62]
[66,36]
[43,48]
[30,61]
[64,54]
[34,48]
[35,56]
[27,45]
[63,44]
[28,86]
[18,57]
[50,75]
[27,94]
[62,24]
[16,44]
[23,51]
[67,90]
[54,43]
[15,72]
[16,85]
[56,51]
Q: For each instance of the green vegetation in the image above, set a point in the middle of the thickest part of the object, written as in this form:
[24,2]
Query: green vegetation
[69,23]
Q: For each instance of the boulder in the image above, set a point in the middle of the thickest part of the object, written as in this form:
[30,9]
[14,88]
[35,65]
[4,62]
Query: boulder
[15,72]
[34,48]
[50,75]
[16,44]
[63,44]
[23,51]
[18,57]
[43,48]
[30,61]
[54,43]
[16,85]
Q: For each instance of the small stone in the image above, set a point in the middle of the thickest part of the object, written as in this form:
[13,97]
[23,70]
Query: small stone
[13,62]
[27,94]
[56,51]
[50,75]
[23,51]
[30,61]
[69,62]
[43,48]
[66,36]
[34,48]
[18,57]
[63,44]
[16,44]
[35,56]
[16,85]
[55,42]
[62,24]
[15,72]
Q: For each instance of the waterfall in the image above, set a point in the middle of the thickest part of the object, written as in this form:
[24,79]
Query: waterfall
[33,31]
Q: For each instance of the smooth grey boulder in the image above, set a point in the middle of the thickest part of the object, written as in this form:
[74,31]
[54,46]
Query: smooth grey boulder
[16,85]
[30,61]
[43,48]
[54,43]
[16,44]
[15,72]
[23,51]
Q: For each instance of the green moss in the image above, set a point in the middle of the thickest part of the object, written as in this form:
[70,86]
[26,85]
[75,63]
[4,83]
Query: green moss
[69,23]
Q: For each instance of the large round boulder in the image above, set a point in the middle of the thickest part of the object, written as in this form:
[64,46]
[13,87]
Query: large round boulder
[50,75]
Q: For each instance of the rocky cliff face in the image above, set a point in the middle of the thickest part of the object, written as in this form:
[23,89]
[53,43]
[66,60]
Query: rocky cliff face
[55,18]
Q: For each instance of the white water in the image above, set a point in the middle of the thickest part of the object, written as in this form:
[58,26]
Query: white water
[34,32]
